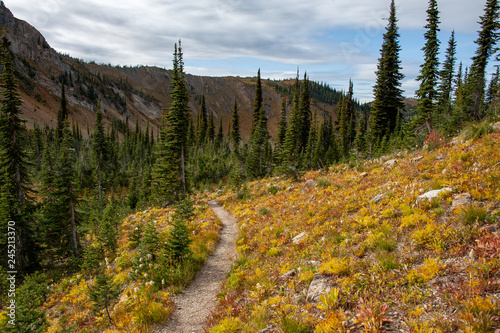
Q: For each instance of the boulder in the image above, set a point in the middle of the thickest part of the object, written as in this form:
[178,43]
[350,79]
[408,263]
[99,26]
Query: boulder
[461,199]
[433,194]
[416,159]
[320,285]
[299,238]
[378,198]
[496,127]
[363,174]
[391,163]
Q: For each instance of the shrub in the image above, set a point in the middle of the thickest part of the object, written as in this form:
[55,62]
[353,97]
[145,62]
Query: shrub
[228,325]
[322,182]
[434,140]
[338,266]
[473,215]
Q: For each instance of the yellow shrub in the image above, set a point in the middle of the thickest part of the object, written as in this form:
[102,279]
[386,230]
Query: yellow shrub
[228,325]
[338,266]
[423,274]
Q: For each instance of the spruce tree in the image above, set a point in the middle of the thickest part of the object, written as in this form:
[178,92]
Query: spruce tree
[235,136]
[305,114]
[486,42]
[201,132]
[429,72]
[14,164]
[388,94]
[257,157]
[291,149]
[446,76]
[62,114]
[257,106]
[219,139]
[280,140]
[211,128]
[99,150]
[170,170]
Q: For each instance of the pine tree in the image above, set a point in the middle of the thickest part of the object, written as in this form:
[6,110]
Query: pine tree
[446,75]
[201,132]
[360,140]
[429,72]
[280,140]
[487,40]
[257,106]
[388,94]
[492,89]
[179,240]
[103,293]
[170,168]
[235,129]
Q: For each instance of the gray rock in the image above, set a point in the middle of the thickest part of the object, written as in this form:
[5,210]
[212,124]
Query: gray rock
[416,159]
[496,127]
[461,199]
[378,198]
[432,194]
[363,174]
[299,238]
[320,285]
[391,163]
[288,274]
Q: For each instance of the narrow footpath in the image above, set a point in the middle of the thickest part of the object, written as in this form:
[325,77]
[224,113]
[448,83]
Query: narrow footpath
[197,301]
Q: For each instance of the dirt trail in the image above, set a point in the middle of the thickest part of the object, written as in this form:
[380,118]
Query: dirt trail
[198,300]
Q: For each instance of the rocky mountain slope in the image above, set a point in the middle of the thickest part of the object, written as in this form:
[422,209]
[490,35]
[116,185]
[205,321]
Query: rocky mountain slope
[127,93]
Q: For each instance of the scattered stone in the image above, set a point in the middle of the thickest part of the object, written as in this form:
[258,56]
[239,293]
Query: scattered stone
[219,192]
[461,200]
[416,159]
[299,238]
[268,329]
[432,194]
[363,174]
[444,172]
[496,127]
[391,163]
[288,274]
[310,183]
[320,285]
[314,262]
[439,157]
[378,198]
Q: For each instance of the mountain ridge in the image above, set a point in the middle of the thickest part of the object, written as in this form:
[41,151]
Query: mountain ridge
[128,94]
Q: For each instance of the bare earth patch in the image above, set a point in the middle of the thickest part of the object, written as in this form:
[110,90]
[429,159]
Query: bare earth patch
[196,302]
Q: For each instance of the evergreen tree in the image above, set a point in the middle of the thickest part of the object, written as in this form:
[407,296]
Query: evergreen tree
[360,140]
[99,150]
[257,157]
[201,132]
[291,149]
[388,94]
[280,140]
[429,69]
[103,293]
[257,106]
[62,114]
[14,164]
[179,240]
[492,89]
[219,139]
[487,40]
[170,169]
[305,114]
[211,128]
[235,129]
[446,75]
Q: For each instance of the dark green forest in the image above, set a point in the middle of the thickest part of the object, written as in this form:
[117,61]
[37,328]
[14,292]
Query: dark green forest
[67,192]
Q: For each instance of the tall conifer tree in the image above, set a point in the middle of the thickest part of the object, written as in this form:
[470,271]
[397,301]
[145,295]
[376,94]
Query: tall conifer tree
[170,169]
[486,42]
[201,132]
[388,94]
[257,106]
[446,75]
[235,136]
[429,70]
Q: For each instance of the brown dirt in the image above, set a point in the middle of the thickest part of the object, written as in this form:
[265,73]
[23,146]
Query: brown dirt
[196,302]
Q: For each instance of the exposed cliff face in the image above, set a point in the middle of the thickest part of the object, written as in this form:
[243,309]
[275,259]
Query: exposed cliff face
[137,94]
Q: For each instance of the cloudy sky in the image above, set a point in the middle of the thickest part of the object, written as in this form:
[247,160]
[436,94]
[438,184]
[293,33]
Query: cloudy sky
[333,40]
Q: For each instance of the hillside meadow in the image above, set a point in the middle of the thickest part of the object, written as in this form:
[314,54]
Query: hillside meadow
[354,249]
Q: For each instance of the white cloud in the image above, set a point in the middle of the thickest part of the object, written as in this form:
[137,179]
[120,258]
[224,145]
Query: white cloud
[286,32]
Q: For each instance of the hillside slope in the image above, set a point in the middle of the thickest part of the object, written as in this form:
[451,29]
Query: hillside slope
[127,93]
[354,248]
